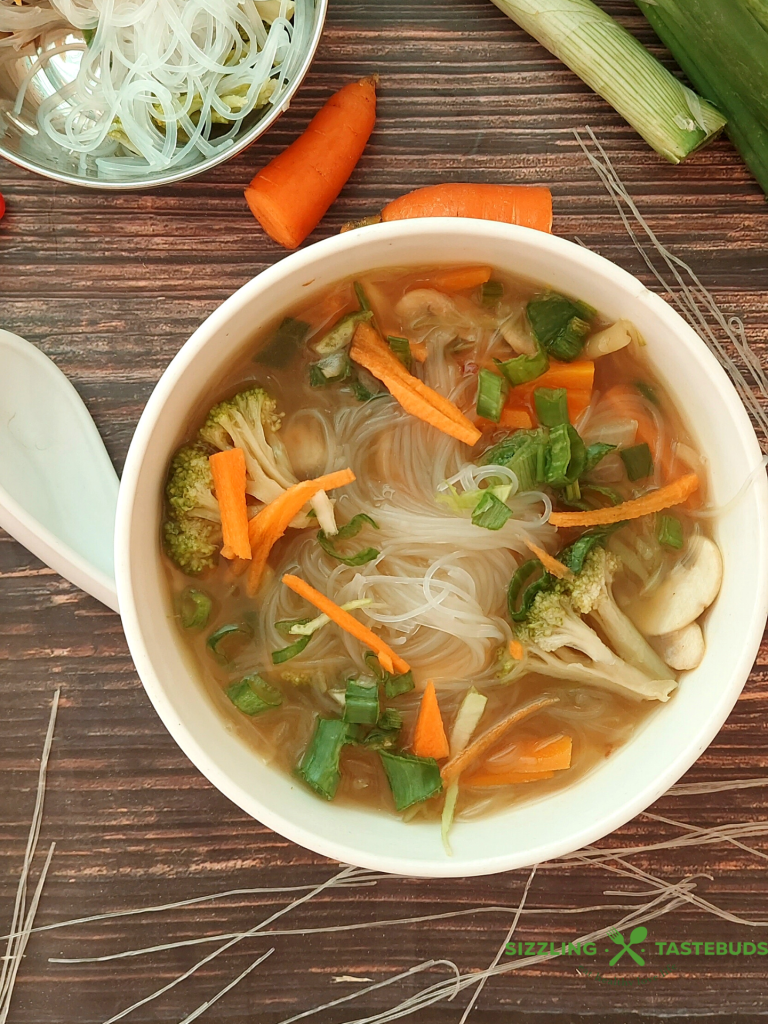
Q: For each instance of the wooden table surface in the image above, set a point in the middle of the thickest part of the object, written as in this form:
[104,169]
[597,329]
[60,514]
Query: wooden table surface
[110,286]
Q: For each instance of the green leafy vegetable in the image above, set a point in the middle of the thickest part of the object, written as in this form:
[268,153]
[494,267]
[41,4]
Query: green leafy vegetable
[252,695]
[573,556]
[491,292]
[524,586]
[227,641]
[320,765]
[551,406]
[566,456]
[669,532]
[490,512]
[330,370]
[412,779]
[559,324]
[361,704]
[638,461]
[492,391]
[194,608]
[362,298]
[595,453]
[522,369]
[342,332]
[284,343]
[361,392]
[351,529]
[402,349]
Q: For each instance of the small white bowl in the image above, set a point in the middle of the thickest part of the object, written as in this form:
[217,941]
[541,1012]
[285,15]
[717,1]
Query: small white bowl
[636,774]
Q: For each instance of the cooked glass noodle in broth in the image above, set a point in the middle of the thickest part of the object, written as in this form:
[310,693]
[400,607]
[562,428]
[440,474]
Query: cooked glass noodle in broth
[447,541]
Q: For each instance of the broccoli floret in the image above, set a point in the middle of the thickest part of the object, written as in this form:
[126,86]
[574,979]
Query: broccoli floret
[192,528]
[249,420]
[553,623]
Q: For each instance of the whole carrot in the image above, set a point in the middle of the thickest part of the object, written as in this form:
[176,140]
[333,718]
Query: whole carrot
[290,196]
[527,205]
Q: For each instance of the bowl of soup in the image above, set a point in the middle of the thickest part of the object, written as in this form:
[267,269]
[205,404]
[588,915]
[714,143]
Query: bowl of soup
[441,547]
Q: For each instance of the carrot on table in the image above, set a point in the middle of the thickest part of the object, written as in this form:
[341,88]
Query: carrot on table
[470,753]
[527,205]
[429,739]
[228,471]
[388,660]
[266,529]
[290,196]
[653,501]
[459,278]
[550,563]
[372,352]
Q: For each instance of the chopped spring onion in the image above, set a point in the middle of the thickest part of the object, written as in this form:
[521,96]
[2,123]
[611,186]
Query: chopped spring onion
[362,298]
[669,116]
[330,370]
[492,391]
[230,638]
[390,719]
[412,779]
[194,608]
[342,332]
[638,461]
[647,391]
[612,495]
[491,292]
[522,369]
[566,456]
[523,589]
[551,406]
[320,765]
[490,512]
[393,685]
[402,349]
[361,702]
[351,529]
[595,452]
[669,532]
[286,653]
[559,324]
[252,695]
[385,735]
[284,343]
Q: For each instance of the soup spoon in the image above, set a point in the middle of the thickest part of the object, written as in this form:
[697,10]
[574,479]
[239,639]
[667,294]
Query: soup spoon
[58,487]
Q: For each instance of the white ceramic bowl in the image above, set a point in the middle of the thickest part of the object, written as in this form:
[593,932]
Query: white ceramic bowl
[633,777]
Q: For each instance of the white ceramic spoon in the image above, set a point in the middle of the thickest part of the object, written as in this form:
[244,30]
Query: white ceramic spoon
[58,487]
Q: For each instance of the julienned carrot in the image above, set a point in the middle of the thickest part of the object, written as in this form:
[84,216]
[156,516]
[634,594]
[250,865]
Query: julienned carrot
[653,501]
[515,419]
[470,753]
[516,650]
[370,351]
[266,529]
[228,471]
[429,739]
[459,278]
[388,660]
[527,761]
[527,205]
[290,196]
[419,351]
[551,564]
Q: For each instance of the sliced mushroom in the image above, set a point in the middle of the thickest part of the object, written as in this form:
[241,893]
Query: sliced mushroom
[683,649]
[305,441]
[518,339]
[611,339]
[688,589]
[421,302]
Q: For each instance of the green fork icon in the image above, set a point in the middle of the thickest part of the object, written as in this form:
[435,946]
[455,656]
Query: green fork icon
[639,934]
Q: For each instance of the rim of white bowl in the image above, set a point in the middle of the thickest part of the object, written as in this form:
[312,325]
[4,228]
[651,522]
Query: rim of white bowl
[292,830]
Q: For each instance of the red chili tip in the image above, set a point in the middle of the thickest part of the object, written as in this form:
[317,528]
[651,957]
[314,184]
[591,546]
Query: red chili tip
[2,206]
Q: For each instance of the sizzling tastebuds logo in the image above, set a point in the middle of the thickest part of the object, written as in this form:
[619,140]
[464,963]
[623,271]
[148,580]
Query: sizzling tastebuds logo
[639,934]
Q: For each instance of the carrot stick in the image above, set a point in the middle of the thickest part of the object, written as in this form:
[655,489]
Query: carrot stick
[266,529]
[527,761]
[577,402]
[515,419]
[464,758]
[458,279]
[528,205]
[228,471]
[653,501]
[577,376]
[370,351]
[290,196]
[388,660]
[551,564]
[429,739]
[516,650]
[419,351]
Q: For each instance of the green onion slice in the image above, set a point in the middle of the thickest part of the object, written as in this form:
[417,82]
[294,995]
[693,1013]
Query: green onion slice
[402,349]
[319,766]
[523,588]
[566,456]
[559,324]
[669,532]
[393,685]
[490,512]
[194,608]
[362,298]
[342,332]
[252,695]
[492,391]
[361,702]
[491,292]
[523,369]
[412,779]
[351,529]
[595,453]
[551,406]
[390,719]
[231,637]
[638,461]
[286,653]
[284,343]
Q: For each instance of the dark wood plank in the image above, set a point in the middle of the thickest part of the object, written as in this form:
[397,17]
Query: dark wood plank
[110,287]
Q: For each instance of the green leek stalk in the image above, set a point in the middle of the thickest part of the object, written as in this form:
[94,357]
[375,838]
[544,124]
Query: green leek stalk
[669,116]
[722,46]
